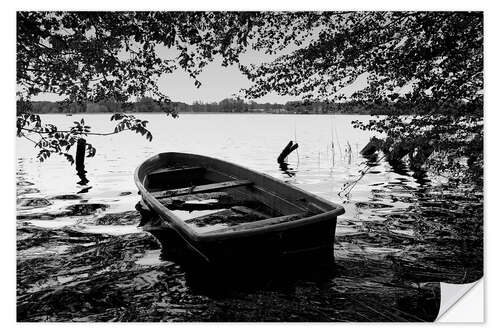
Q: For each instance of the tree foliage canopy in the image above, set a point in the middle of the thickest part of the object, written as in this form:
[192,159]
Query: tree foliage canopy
[433,60]
[112,56]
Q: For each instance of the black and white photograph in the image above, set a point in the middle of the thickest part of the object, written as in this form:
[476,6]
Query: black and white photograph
[246,166]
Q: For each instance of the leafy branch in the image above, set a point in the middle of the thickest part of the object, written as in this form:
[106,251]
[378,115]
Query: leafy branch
[55,141]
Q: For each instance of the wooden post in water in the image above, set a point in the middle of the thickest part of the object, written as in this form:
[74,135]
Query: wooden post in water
[290,147]
[80,161]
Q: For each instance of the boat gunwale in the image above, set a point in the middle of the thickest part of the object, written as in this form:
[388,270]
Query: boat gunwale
[182,227]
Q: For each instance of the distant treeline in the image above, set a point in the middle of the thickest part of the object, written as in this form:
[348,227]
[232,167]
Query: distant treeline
[228,105]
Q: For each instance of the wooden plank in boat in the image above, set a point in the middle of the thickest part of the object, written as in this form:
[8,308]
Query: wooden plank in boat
[219,195]
[177,170]
[250,211]
[200,188]
[251,225]
[274,201]
[227,217]
[314,208]
[190,206]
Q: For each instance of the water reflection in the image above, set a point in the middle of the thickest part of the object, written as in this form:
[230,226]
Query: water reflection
[82,177]
[287,170]
[357,288]
[402,232]
[84,190]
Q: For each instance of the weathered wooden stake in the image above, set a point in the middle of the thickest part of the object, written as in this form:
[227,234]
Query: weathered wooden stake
[80,161]
[290,147]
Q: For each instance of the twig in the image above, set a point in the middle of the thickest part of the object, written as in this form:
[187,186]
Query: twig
[89,133]
[352,184]
[29,139]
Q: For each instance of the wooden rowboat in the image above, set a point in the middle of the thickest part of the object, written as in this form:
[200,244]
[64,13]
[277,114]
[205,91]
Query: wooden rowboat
[223,211]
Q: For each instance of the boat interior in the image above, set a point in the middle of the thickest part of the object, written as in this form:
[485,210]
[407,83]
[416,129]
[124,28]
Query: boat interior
[209,200]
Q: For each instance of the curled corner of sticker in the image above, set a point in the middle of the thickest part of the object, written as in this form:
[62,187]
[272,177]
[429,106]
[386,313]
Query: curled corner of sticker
[451,295]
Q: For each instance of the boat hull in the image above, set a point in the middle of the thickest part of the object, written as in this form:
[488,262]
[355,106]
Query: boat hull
[309,236]
[314,242]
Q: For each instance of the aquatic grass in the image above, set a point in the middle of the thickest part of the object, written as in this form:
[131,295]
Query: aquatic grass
[346,189]
[349,152]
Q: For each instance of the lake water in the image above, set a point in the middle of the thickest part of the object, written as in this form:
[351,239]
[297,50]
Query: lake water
[390,215]
[251,140]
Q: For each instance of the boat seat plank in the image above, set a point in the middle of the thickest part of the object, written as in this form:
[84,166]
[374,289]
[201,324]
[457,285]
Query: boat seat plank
[191,206]
[200,188]
[250,211]
[227,217]
[177,170]
[219,196]
[260,223]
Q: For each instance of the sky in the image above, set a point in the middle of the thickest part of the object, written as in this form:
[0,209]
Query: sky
[222,82]
[217,82]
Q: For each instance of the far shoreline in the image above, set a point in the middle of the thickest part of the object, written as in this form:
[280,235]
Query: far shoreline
[207,112]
